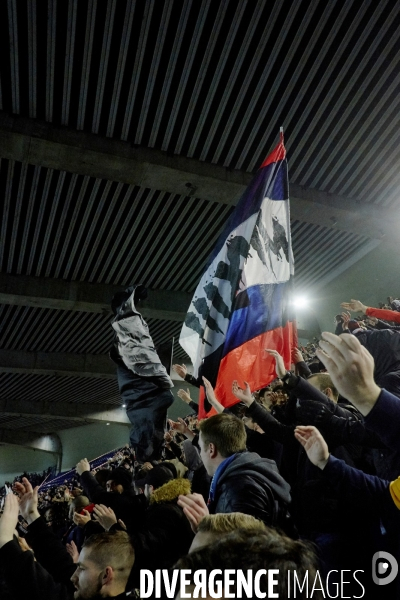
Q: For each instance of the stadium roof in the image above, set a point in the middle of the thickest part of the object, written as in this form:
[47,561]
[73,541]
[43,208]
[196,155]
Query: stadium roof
[129,129]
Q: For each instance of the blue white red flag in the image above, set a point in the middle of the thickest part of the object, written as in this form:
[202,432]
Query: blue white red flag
[242,304]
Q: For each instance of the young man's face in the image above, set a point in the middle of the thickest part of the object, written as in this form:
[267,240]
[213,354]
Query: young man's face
[87,578]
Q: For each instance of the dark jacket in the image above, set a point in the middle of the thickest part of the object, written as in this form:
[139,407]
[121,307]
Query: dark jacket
[316,505]
[252,485]
[133,341]
[47,578]
[26,578]
[164,534]
[127,507]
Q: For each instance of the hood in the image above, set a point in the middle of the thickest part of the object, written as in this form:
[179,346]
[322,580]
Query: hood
[263,470]
[384,345]
[170,491]
[192,457]
[123,303]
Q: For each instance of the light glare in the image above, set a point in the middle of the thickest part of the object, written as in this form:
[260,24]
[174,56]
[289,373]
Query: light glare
[300,301]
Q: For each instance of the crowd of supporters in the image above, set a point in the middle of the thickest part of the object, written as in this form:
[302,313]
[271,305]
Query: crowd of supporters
[301,476]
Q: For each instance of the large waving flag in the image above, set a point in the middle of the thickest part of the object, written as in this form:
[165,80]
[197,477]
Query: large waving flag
[242,304]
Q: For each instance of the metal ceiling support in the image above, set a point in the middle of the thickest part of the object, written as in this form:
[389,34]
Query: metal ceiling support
[87,154]
[57,364]
[165,17]
[18,214]
[87,58]
[238,107]
[178,39]
[294,49]
[32,57]
[45,443]
[69,60]
[37,388]
[80,296]
[260,92]
[50,57]
[338,58]
[185,73]
[71,411]
[120,70]
[105,55]
[209,56]
[140,50]
[348,99]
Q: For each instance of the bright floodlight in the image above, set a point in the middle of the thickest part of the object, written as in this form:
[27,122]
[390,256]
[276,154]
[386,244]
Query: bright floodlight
[300,301]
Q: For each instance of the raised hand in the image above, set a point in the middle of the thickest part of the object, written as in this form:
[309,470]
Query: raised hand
[195,509]
[279,364]
[212,397]
[184,395]
[181,427]
[72,551]
[242,394]
[81,520]
[82,466]
[168,437]
[209,391]
[180,370]
[346,316]
[28,500]
[354,305]
[296,356]
[314,444]
[105,516]
[9,519]
[351,368]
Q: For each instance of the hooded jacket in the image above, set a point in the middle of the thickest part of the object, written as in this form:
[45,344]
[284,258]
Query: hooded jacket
[165,534]
[133,341]
[252,485]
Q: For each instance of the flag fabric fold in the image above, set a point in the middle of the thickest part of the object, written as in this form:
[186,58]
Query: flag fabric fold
[242,304]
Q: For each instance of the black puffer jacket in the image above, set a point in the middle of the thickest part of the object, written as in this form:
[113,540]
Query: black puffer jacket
[252,485]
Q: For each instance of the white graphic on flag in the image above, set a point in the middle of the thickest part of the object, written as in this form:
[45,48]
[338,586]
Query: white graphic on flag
[257,252]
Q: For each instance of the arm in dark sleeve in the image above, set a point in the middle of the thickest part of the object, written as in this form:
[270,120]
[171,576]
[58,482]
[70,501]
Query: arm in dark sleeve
[194,406]
[302,369]
[176,449]
[49,551]
[363,488]
[277,431]
[26,578]
[303,390]
[192,380]
[352,431]
[383,325]
[93,489]
[384,419]
[346,423]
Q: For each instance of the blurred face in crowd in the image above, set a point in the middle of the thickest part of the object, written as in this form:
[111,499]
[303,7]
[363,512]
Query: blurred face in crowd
[88,577]
[114,487]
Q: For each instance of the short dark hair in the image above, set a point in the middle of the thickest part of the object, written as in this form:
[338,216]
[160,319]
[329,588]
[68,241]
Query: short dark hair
[111,548]
[226,432]
[269,549]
